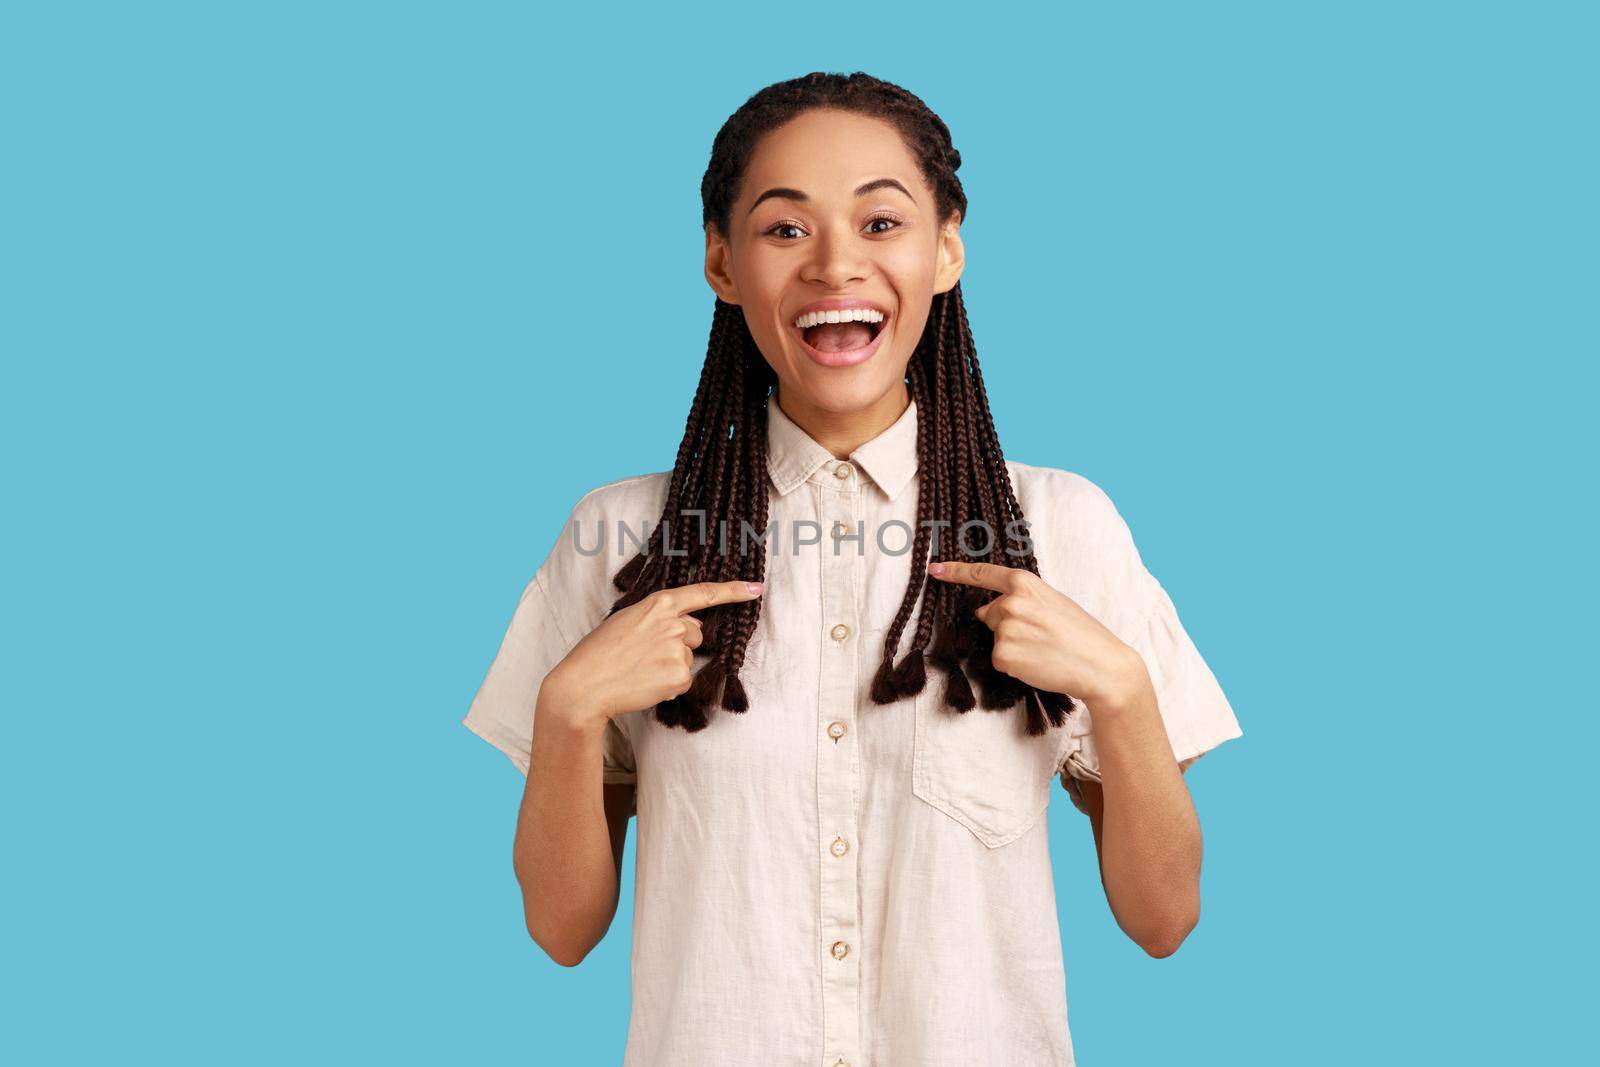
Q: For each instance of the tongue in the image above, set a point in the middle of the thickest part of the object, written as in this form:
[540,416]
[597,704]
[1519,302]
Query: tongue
[838,336]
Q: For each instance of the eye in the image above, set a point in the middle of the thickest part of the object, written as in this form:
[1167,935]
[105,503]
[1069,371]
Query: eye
[883,218]
[773,230]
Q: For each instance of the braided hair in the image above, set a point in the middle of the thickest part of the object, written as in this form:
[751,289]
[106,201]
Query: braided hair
[719,481]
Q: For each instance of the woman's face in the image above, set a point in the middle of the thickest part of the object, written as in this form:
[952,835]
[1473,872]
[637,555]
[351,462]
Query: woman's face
[834,211]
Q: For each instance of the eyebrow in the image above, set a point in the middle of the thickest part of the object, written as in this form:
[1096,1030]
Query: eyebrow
[861,190]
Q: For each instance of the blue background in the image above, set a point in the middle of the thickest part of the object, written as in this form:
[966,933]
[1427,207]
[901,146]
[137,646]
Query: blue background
[318,319]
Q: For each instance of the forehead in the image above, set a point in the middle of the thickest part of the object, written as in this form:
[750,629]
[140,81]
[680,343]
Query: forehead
[826,153]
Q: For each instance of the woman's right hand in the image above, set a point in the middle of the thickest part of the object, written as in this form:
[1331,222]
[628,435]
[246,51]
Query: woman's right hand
[641,655]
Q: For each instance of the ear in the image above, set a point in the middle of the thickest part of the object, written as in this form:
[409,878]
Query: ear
[719,271]
[952,256]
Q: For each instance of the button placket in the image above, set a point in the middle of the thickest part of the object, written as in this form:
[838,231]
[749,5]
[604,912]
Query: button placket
[838,763]
[843,532]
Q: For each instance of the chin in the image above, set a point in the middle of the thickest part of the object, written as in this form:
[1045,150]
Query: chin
[842,392]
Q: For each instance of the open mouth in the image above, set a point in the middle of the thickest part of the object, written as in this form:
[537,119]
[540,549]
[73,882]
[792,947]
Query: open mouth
[842,337]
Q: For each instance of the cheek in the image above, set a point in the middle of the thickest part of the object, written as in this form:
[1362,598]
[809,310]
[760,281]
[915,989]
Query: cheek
[761,277]
[760,296]
[910,272]
[911,262]
[914,260]
[760,315]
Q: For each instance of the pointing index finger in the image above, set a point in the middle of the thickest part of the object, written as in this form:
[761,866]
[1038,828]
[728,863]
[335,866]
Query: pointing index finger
[701,595]
[982,575]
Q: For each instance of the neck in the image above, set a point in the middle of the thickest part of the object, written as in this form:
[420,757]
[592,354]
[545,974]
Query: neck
[842,432]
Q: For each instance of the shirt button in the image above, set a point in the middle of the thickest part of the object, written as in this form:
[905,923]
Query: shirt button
[840,632]
[838,530]
[836,729]
[842,471]
[840,846]
[840,950]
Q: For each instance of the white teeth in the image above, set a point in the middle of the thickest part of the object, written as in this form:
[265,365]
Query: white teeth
[813,318]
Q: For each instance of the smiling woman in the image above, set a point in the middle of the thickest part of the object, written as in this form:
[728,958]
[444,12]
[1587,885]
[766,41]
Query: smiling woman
[840,754]
[873,221]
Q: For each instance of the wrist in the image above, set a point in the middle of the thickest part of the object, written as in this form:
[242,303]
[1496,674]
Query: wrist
[561,701]
[1127,685]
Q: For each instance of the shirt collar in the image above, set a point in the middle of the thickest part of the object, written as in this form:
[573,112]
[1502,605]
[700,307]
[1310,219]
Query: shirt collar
[889,459]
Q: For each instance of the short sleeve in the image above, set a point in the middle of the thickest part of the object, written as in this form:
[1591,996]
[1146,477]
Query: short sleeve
[1196,713]
[563,601]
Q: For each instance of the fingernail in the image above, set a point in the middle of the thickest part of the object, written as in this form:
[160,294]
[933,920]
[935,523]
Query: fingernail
[936,568]
[754,587]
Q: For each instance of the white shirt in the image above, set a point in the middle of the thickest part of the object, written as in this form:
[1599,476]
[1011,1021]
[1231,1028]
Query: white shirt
[823,881]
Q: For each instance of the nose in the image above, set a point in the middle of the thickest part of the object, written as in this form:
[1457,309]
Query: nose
[838,260]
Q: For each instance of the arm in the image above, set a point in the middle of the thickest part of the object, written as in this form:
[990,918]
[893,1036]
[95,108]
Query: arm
[1148,836]
[571,826]
[571,830]
[1146,830]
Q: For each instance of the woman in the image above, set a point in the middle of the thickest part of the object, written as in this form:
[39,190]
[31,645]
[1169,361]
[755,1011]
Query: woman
[840,772]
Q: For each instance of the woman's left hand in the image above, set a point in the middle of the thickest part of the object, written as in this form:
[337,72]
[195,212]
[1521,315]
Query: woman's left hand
[1043,638]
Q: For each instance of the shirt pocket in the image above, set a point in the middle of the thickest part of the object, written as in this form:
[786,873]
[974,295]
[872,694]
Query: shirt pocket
[981,768]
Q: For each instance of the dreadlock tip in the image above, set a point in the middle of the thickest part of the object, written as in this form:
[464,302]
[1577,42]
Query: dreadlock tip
[734,698]
[883,689]
[912,673]
[958,690]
